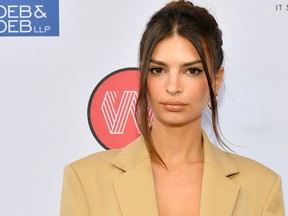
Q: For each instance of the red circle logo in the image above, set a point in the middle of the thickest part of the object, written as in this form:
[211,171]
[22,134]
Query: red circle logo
[111,109]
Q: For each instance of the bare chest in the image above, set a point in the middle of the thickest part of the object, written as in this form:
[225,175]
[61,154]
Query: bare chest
[178,191]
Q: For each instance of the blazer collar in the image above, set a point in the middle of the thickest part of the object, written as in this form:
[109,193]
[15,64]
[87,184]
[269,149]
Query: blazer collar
[135,188]
[219,193]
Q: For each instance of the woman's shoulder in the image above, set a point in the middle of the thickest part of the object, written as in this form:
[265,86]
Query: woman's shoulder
[261,187]
[252,169]
[97,159]
[107,165]
[94,167]
[107,161]
[236,165]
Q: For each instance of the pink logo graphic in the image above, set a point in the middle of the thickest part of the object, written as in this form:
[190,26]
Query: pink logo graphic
[111,109]
[116,120]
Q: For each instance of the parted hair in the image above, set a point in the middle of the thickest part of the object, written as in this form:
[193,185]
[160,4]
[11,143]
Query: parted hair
[195,24]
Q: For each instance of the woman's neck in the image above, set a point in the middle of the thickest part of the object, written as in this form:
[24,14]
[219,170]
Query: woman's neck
[178,144]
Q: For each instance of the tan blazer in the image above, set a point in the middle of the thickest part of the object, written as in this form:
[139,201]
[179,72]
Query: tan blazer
[120,182]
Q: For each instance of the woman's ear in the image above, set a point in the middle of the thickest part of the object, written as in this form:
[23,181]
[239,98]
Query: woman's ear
[218,80]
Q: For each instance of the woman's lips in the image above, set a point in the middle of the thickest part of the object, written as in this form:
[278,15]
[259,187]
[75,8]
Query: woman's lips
[174,106]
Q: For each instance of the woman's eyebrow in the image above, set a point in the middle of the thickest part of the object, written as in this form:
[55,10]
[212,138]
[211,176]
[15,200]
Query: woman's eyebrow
[191,63]
[158,62]
[183,65]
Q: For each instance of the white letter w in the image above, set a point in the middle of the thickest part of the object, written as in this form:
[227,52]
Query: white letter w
[116,119]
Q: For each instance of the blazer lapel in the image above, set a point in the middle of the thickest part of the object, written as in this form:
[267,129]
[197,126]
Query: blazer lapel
[135,187]
[219,192]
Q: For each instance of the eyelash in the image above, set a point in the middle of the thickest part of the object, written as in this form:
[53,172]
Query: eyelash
[191,71]
[195,71]
[156,71]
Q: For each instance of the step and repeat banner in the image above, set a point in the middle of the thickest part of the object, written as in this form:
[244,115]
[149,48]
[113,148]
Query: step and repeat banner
[67,87]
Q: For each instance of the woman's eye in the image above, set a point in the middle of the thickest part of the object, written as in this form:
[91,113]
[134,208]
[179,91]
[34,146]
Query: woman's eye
[194,71]
[156,70]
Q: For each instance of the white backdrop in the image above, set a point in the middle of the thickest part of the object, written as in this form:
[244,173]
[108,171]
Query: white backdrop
[46,82]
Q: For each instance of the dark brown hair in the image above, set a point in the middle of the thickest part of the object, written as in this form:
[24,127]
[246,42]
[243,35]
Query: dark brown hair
[198,26]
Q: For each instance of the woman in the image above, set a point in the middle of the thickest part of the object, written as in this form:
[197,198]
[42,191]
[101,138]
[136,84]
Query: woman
[172,168]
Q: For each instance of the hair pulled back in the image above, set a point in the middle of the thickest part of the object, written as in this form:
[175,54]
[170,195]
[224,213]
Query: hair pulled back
[198,26]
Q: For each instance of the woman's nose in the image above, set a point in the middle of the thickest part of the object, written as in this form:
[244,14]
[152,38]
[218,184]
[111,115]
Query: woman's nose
[173,84]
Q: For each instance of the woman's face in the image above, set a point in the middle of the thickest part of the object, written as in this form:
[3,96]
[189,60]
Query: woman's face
[177,85]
